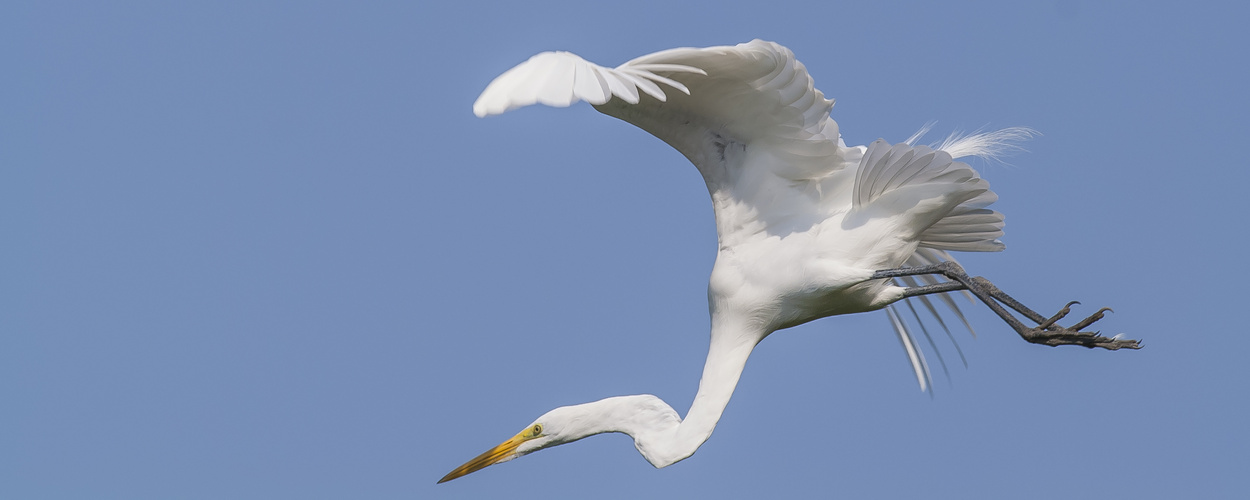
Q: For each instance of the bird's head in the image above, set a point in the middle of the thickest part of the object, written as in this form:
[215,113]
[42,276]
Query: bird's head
[639,416]
[533,438]
[561,425]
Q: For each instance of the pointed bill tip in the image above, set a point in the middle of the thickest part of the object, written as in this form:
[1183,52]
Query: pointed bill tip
[502,453]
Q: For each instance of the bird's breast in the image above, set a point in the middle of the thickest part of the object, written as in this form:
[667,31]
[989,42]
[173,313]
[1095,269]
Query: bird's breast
[783,281]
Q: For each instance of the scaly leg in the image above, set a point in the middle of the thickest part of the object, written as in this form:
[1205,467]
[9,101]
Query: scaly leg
[1047,331]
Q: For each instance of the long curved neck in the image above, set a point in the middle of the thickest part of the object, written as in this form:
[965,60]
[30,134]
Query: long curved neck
[727,356]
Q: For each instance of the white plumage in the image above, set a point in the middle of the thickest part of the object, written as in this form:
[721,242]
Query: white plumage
[805,224]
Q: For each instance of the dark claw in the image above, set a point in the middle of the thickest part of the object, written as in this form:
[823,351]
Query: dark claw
[1067,336]
[1058,316]
[1091,319]
[1048,333]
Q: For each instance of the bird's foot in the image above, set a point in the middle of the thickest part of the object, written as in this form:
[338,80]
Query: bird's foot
[1048,330]
[1050,333]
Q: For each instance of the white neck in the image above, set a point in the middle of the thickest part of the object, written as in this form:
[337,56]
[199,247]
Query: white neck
[660,435]
[726,358]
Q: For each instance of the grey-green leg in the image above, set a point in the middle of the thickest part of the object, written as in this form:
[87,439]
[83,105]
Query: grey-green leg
[1047,331]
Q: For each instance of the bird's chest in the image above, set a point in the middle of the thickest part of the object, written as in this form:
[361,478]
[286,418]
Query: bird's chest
[786,281]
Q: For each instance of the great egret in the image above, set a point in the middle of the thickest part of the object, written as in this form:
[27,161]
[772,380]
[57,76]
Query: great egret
[807,227]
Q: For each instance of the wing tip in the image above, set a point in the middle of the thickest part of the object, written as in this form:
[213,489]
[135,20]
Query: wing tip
[552,79]
[479,111]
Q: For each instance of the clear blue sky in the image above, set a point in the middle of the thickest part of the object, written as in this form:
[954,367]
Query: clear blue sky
[265,250]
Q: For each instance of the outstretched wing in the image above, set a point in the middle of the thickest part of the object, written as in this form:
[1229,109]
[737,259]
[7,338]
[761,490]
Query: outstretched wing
[560,79]
[716,105]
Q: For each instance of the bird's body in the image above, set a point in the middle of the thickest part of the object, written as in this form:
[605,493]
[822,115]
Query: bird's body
[805,224]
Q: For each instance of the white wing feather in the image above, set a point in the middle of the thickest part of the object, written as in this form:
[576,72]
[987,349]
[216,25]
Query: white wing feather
[560,79]
[752,93]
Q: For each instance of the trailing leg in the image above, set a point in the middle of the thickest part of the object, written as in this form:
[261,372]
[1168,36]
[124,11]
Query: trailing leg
[1047,331]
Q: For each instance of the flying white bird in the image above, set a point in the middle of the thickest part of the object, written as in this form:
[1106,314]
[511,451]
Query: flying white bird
[807,227]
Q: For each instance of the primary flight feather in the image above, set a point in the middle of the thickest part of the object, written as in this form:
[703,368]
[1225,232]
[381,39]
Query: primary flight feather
[807,227]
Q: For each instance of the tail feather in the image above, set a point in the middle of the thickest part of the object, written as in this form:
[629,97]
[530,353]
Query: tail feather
[965,226]
[914,355]
[906,332]
[970,226]
[987,145]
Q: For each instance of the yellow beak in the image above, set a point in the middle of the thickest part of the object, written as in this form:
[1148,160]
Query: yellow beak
[501,453]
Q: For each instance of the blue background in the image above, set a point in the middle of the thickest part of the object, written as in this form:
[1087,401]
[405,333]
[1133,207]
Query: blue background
[265,250]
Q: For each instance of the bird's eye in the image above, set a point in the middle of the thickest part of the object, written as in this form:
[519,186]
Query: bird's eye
[538,429]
